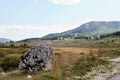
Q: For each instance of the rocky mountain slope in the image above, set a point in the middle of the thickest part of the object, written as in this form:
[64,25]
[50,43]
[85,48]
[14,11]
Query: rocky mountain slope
[88,29]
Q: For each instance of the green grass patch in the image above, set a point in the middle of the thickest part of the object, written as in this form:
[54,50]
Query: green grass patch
[83,66]
[3,54]
[112,54]
[11,62]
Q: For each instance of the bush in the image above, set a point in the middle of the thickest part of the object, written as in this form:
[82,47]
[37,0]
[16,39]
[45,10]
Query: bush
[112,54]
[12,45]
[1,70]
[81,67]
[3,54]
[11,62]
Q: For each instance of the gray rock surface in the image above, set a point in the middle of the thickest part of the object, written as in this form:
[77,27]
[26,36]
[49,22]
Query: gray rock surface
[116,77]
[37,58]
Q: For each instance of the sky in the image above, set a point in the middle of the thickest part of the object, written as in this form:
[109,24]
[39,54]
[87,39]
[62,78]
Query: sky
[21,19]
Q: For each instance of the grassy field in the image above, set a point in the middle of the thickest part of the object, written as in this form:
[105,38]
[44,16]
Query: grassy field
[68,62]
[109,42]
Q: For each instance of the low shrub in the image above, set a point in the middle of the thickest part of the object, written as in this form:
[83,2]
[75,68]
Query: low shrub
[1,70]
[82,67]
[112,54]
[11,62]
[3,54]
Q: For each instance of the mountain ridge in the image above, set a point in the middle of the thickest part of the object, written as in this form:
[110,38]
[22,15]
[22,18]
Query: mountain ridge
[4,40]
[89,28]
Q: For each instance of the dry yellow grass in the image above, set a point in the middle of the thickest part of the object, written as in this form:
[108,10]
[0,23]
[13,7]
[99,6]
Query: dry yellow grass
[64,56]
[69,55]
[78,50]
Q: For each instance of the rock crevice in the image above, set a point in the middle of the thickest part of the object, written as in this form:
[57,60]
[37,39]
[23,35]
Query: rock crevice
[37,58]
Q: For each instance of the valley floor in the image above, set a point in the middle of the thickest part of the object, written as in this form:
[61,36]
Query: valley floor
[104,65]
[109,72]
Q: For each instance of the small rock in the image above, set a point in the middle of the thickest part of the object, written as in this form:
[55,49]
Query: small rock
[3,73]
[77,77]
[29,76]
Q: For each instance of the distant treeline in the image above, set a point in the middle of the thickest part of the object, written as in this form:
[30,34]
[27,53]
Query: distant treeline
[115,34]
[3,45]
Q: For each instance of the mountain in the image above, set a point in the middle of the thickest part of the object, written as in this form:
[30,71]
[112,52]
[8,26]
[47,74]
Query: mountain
[3,40]
[88,29]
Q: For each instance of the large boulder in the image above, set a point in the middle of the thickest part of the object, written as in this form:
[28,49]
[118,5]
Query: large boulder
[37,58]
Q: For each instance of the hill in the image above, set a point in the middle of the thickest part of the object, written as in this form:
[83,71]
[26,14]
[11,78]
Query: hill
[88,29]
[3,40]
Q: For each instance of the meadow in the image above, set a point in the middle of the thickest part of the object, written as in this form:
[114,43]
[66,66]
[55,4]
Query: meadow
[69,63]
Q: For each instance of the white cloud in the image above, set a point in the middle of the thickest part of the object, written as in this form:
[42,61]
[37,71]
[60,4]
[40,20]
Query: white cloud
[22,32]
[17,27]
[50,28]
[66,2]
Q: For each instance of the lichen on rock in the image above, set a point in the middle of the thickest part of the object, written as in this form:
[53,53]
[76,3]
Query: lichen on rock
[37,58]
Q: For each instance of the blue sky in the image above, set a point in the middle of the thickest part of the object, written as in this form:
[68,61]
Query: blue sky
[20,19]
